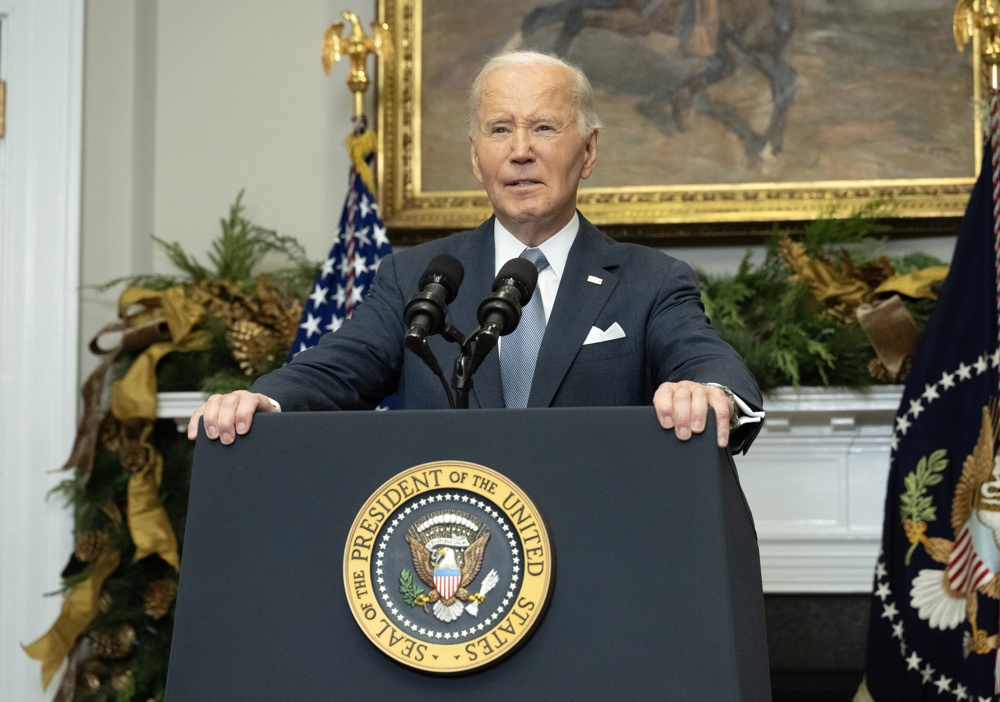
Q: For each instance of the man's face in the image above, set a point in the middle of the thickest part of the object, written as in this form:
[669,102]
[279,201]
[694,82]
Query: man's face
[527,149]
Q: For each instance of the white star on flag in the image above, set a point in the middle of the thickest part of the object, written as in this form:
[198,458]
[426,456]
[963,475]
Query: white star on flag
[980,365]
[902,424]
[310,326]
[318,295]
[947,381]
[943,684]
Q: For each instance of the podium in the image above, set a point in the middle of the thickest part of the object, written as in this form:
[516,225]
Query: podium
[657,588]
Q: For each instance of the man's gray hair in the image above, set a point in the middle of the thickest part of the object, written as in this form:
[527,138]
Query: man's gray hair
[587,119]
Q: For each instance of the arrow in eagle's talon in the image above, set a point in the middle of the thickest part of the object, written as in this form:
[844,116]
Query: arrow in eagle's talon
[489,582]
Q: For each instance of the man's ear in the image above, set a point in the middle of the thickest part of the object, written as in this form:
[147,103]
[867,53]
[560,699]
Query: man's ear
[589,154]
[476,170]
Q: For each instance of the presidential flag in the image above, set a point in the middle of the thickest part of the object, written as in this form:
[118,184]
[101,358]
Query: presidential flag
[360,245]
[934,618]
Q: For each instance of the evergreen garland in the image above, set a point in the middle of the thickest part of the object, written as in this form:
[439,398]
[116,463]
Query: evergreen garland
[787,336]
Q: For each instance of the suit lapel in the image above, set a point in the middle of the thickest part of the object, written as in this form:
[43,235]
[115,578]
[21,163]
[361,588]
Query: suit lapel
[477,257]
[577,306]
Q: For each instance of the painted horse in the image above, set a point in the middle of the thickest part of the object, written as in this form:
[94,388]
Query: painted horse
[709,30]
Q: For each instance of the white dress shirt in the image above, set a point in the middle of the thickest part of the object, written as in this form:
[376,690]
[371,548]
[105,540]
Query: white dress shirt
[556,249]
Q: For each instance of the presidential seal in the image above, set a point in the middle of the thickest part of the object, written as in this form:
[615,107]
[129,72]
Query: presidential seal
[448,567]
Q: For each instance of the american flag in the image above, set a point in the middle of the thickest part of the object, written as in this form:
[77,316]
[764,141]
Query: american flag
[934,616]
[360,245]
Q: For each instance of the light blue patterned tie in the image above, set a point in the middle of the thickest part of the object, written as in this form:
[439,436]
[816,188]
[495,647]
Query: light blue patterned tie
[519,349]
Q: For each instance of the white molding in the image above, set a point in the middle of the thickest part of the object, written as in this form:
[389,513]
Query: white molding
[39,311]
[821,565]
[815,480]
[806,401]
[178,405]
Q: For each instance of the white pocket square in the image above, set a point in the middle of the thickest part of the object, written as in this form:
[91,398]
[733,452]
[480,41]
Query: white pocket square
[596,336]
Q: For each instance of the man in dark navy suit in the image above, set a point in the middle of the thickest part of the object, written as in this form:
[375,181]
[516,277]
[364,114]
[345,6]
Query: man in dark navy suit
[618,324]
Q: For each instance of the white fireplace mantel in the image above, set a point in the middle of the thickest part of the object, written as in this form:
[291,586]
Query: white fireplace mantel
[815,480]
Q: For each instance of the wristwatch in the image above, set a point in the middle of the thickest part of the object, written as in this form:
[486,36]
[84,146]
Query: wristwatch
[734,410]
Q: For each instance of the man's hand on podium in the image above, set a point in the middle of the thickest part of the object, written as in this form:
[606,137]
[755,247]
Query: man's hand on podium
[228,416]
[683,407]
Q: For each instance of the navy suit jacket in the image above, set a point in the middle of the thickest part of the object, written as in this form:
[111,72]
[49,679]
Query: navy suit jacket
[651,295]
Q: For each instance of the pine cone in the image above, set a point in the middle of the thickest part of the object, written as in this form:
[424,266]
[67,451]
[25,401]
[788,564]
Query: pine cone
[90,544]
[110,433]
[121,678]
[135,455]
[160,596]
[114,644]
[91,675]
[289,327]
[90,681]
[878,371]
[223,299]
[278,310]
[253,345]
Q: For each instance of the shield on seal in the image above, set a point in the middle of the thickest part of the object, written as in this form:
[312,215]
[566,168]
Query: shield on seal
[446,581]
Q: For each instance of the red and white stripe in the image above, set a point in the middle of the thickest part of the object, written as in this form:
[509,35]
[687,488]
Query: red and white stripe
[351,241]
[446,585]
[966,571]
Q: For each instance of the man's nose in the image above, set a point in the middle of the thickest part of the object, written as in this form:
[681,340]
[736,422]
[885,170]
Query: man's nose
[521,145]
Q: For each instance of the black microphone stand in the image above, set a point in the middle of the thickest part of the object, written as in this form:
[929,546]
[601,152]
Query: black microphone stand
[473,350]
[417,343]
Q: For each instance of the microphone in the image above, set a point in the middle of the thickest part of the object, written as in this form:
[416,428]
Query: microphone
[425,312]
[500,312]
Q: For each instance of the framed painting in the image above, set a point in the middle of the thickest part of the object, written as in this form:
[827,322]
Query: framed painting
[719,116]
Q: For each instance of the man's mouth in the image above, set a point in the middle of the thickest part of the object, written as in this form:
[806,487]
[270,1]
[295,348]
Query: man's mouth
[522,183]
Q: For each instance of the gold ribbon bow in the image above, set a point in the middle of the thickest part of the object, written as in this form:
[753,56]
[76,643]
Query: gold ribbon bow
[134,396]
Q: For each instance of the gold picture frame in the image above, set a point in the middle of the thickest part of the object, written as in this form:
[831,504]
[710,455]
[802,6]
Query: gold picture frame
[465,32]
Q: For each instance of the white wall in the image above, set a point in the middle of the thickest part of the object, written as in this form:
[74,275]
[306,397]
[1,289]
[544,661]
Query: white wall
[116,217]
[40,58]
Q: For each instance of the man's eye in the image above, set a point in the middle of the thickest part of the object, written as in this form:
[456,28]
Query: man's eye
[499,130]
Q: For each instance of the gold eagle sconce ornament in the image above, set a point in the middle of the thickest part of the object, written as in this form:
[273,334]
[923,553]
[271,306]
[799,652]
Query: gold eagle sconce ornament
[356,46]
[983,16]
